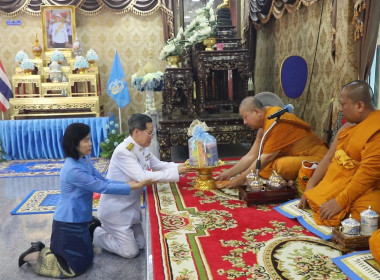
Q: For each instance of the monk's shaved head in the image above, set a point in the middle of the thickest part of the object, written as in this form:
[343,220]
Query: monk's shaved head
[360,91]
[250,103]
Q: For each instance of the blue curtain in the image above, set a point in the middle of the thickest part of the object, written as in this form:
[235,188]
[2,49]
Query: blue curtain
[42,138]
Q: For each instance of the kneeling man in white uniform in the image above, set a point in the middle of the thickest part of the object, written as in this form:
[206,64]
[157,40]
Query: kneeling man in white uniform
[121,231]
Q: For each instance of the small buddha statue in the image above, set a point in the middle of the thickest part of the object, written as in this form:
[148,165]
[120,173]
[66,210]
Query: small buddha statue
[223,13]
[225,4]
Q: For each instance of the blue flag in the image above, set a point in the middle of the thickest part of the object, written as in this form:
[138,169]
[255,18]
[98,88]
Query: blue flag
[117,86]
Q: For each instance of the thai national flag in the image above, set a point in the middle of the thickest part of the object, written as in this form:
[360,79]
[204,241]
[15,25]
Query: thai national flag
[5,89]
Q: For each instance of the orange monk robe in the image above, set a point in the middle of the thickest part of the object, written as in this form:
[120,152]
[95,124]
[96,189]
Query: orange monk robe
[374,245]
[296,141]
[353,176]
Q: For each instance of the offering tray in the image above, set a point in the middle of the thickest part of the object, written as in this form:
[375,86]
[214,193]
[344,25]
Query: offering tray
[350,242]
[268,196]
[204,181]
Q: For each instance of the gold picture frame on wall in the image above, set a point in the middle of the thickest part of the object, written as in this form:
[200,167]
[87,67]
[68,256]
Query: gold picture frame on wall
[58,27]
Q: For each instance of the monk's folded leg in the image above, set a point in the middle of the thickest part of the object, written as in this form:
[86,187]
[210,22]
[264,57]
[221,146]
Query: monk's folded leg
[370,198]
[289,166]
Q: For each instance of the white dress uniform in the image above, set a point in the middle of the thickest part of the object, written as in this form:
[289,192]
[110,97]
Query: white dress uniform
[121,231]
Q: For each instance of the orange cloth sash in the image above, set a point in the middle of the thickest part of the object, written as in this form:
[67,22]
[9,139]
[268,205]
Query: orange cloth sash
[353,176]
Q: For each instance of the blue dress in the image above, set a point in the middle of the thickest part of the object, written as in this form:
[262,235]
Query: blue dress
[70,240]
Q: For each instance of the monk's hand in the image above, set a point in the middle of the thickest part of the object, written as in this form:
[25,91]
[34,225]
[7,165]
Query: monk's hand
[224,176]
[231,184]
[329,209]
[303,203]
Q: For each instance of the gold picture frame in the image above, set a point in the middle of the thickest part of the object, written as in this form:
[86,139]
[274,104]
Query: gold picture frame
[58,27]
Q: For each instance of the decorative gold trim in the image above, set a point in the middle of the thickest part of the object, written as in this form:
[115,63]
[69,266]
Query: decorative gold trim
[54,106]
[359,7]
[19,11]
[130,8]
[278,13]
[291,8]
[308,2]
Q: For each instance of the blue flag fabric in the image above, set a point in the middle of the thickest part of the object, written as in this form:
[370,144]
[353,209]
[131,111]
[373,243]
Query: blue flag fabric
[117,86]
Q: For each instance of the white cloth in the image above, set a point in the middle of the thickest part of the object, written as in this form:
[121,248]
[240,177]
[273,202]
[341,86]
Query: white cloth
[121,214]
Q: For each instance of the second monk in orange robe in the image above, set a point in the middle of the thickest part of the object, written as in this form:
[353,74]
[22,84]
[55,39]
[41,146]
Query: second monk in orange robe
[347,180]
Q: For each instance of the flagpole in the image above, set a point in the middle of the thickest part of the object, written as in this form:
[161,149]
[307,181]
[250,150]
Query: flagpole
[120,120]
[2,115]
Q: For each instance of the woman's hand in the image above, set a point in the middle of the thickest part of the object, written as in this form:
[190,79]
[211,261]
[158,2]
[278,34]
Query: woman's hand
[138,185]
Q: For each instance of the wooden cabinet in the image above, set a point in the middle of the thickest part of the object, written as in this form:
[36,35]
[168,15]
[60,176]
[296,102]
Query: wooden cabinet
[209,89]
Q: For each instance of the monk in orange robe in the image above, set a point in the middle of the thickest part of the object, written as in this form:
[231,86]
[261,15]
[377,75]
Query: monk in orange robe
[285,146]
[347,180]
[374,245]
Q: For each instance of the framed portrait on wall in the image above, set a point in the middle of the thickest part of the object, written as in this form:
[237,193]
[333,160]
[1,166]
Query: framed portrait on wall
[58,27]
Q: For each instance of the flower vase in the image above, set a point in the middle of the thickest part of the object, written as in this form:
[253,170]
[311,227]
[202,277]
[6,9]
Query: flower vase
[82,70]
[209,43]
[92,63]
[37,53]
[150,106]
[173,61]
[28,71]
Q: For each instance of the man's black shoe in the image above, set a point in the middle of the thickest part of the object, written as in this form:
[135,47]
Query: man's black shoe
[93,225]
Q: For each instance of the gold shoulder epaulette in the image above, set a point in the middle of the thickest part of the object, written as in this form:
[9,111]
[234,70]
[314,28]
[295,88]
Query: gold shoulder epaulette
[130,146]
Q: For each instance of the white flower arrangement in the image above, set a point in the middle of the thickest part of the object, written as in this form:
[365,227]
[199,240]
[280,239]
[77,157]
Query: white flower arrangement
[151,81]
[20,56]
[81,62]
[57,56]
[91,55]
[173,46]
[203,26]
[27,64]
[136,82]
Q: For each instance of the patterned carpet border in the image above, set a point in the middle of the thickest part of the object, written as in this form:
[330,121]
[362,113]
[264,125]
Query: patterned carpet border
[42,167]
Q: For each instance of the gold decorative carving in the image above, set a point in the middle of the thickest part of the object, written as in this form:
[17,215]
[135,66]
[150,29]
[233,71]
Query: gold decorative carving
[58,106]
[45,87]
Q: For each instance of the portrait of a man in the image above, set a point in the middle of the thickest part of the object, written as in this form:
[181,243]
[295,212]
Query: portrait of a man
[58,27]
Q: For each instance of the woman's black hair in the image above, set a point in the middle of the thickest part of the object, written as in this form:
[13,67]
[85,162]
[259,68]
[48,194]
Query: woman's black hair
[138,121]
[74,133]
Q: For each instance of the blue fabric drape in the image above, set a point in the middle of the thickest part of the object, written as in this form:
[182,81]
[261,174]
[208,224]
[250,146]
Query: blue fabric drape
[42,138]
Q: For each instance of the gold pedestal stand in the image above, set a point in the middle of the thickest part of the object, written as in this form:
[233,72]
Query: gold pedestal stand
[204,181]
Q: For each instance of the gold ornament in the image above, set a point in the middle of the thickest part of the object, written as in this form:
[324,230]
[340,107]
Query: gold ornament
[130,146]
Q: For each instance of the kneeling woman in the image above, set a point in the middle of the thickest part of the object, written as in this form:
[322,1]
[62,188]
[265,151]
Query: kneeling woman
[71,252]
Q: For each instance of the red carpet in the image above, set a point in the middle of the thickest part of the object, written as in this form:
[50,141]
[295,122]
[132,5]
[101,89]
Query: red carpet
[210,234]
